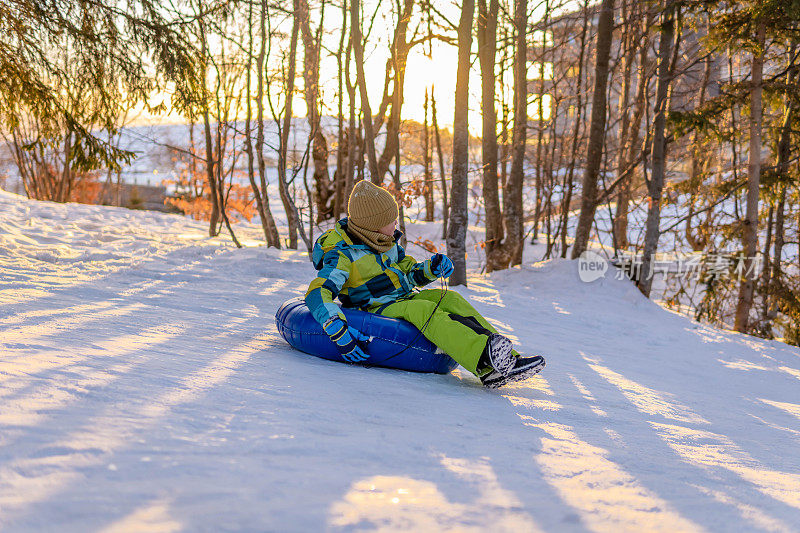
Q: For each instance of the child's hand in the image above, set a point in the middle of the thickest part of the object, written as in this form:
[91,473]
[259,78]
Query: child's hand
[441,266]
[347,339]
[358,336]
[356,355]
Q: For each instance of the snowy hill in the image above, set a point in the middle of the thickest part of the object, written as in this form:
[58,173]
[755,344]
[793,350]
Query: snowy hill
[144,387]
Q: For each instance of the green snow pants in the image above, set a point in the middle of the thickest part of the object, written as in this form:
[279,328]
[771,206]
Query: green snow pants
[455,326]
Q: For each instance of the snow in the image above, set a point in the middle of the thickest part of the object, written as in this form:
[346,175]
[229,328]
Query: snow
[144,387]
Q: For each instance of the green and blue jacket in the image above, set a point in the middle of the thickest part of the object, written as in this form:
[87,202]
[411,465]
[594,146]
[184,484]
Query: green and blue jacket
[360,276]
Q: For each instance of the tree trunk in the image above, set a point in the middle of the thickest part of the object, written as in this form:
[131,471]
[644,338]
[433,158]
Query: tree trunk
[248,146]
[597,127]
[540,127]
[369,133]
[629,52]
[442,174]
[210,174]
[426,162]
[399,188]
[539,182]
[777,256]
[633,142]
[750,229]
[512,194]
[400,49]
[323,188]
[457,230]
[761,327]
[566,202]
[505,119]
[784,155]
[65,185]
[399,58]
[699,164]
[273,238]
[352,129]
[504,147]
[659,146]
[339,178]
[292,216]
[487,51]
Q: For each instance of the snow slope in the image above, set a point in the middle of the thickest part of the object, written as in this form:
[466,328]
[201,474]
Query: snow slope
[143,387]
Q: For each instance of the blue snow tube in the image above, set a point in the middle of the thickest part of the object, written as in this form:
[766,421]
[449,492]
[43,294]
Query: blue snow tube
[389,346]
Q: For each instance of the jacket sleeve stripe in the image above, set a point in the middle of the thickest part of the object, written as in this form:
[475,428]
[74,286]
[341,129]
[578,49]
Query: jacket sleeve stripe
[327,285]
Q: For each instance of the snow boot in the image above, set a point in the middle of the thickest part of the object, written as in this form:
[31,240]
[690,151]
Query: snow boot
[524,368]
[500,353]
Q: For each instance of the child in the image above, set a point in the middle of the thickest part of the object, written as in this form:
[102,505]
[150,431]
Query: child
[361,262]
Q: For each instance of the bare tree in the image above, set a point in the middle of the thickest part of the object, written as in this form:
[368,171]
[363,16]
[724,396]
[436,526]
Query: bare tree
[512,193]
[508,251]
[628,39]
[750,229]
[323,187]
[399,57]
[292,215]
[487,51]
[440,157]
[426,163]
[353,126]
[656,185]
[597,128]
[629,144]
[260,194]
[569,178]
[340,176]
[358,52]
[773,277]
[211,176]
[457,226]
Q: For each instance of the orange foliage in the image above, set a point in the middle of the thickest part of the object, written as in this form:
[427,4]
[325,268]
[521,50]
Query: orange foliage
[412,190]
[427,244]
[193,197]
[86,188]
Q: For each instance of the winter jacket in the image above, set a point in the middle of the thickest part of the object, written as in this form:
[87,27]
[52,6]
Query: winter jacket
[358,275]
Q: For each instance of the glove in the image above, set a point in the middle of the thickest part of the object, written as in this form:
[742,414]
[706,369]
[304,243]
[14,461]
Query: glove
[441,266]
[347,339]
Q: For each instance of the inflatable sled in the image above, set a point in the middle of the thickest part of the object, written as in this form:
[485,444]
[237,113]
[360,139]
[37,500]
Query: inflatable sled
[389,346]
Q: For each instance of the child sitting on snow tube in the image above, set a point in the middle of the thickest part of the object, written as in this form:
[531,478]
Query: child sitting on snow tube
[361,262]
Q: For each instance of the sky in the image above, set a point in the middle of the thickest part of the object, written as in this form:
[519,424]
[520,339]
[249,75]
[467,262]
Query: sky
[431,66]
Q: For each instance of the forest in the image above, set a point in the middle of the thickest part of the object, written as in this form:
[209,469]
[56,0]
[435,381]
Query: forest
[661,135]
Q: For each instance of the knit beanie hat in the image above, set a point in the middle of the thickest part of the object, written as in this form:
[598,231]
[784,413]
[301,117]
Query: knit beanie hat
[370,207]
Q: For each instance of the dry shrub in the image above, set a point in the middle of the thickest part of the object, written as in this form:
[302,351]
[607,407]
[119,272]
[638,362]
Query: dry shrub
[428,245]
[411,191]
[193,196]
[86,188]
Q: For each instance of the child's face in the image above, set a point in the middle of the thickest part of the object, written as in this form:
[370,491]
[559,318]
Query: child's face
[388,229]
